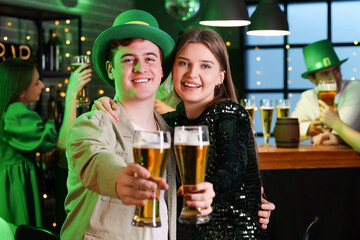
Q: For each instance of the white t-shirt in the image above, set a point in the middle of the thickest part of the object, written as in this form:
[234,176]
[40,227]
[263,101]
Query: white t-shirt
[160,233]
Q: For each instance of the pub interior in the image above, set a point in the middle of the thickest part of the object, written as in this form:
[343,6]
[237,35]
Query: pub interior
[314,188]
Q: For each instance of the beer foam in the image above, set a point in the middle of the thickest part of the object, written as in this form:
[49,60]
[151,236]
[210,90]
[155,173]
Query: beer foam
[189,138]
[269,108]
[152,145]
[327,87]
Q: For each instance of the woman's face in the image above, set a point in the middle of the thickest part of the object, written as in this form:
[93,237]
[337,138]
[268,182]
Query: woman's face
[33,91]
[196,72]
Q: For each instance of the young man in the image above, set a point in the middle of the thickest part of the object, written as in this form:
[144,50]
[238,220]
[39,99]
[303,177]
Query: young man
[323,63]
[104,182]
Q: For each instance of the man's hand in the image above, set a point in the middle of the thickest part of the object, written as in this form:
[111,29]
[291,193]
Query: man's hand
[315,128]
[162,108]
[134,185]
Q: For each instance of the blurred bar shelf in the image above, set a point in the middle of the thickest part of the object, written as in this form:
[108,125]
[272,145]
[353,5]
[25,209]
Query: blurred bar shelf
[307,157]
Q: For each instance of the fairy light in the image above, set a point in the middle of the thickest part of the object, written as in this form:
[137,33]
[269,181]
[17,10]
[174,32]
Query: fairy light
[356,42]
[88,52]
[66,30]
[9,24]
[290,69]
[62,94]
[258,59]
[256,48]
[37,154]
[5,38]
[101,92]
[67,21]
[47,89]
[228,43]
[287,46]
[60,85]
[45,196]
[67,42]
[82,38]
[67,55]
[57,22]
[66,81]
[68,68]
[258,83]
[28,37]
[54,224]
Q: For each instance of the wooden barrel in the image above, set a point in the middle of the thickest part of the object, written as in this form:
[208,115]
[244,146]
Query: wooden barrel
[287,133]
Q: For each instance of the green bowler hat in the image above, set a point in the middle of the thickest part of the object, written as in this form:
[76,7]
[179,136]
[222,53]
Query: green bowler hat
[132,24]
[320,55]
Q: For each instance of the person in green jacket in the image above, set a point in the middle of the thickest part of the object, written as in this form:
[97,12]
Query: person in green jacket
[23,133]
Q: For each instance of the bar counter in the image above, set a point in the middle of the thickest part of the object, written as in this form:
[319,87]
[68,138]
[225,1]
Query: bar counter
[307,156]
[308,182]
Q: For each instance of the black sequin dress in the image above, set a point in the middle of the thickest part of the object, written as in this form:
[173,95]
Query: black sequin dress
[232,169]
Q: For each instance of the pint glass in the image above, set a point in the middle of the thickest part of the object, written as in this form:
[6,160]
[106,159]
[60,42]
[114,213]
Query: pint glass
[191,148]
[327,92]
[282,108]
[151,150]
[249,106]
[266,110]
[83,96]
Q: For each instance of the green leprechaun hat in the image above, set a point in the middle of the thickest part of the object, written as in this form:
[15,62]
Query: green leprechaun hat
[132,24]
[320,55]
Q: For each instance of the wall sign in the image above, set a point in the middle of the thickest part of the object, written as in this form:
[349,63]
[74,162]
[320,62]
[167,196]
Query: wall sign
[9,50]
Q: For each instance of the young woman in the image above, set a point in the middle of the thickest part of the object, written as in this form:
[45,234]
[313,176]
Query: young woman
[202,79]
[23,133]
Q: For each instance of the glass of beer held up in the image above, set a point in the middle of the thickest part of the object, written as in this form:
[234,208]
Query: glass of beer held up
[282,108]
[266,110]
[151,150]
[191,148]
[327,92]
[83,96]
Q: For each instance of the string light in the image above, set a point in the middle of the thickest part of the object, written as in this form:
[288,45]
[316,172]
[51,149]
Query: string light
[228,43]
[67,54]
[82,38]
[287,46]
[68,68]
[45,196]
[88,52]
[57,22]
[54,224]
[290,69]
[66,30]
[67,42]
[356,42]
[67,21]
[258,59]
[62,94]
[60,85]
[5,38]
[258,83]
[66,81]
[47,89]
[101,92]
[28,37]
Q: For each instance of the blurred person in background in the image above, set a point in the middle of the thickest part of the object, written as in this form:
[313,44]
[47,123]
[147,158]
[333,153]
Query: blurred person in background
[23,133]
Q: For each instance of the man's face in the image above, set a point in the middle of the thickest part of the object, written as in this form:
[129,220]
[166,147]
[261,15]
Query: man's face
[136,70]
[332,73]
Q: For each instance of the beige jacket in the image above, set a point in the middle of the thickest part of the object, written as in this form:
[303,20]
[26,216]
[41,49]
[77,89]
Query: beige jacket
[98,150]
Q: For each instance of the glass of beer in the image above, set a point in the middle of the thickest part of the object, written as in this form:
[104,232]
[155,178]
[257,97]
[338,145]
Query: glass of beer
[151,150]
[191,148]
[83,96]
[282,108]
[266,110]
[249,106]
[327,92]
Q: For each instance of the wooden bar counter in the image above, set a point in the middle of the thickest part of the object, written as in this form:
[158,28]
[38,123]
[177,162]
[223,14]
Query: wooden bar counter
[308,182]
[307,156]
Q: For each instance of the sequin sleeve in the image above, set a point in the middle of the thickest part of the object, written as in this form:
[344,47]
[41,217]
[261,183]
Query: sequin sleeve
[233,145]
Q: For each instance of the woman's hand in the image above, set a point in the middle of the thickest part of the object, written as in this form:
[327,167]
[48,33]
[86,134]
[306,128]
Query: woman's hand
[265,211]
[78,79]
[199,196]
[108,106]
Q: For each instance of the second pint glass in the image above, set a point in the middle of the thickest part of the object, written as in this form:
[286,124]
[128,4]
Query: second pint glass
[151,150]
[327,92]
[191,148]
[83,95]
